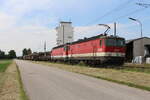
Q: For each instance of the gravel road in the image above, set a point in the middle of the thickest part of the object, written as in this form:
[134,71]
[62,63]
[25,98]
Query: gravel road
[48,83]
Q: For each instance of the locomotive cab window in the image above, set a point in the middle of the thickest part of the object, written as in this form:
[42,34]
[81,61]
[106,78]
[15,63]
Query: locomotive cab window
[114,42]
[110,42]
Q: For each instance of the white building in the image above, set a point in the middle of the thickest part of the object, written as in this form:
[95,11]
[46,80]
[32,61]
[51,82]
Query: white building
[64,33]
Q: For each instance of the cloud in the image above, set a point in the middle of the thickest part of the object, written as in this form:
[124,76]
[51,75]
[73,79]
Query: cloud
[128,31]
[87,31]
[28,37]
[20,7]
[6,21]
[18,32]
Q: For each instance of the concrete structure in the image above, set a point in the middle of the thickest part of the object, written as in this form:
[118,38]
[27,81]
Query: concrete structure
[137,47]
[148,60]
[64,33]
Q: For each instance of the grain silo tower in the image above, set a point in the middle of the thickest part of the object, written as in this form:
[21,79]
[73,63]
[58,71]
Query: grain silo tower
[64,33]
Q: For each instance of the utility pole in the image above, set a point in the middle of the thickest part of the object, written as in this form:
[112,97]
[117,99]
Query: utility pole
[115,29]
[45,48]
[63,33]
[140,23]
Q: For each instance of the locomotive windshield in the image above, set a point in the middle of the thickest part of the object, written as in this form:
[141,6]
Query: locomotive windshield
[114,42]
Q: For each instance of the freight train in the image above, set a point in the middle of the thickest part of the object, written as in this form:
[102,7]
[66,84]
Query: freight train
[97,50]
[41,56]
[101,49]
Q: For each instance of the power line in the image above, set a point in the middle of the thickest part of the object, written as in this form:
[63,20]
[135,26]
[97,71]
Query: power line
[118,8]
[133,12]
[143,5]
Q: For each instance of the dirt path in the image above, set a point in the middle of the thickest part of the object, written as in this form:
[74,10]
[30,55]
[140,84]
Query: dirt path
[10,89]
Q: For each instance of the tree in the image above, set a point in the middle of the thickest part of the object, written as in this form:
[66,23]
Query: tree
[24,52]
[2,54]
[12,54]
[29,51]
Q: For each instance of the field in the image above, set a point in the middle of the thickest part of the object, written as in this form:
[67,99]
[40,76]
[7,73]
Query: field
[134,77]
[10,82]
[145,68]
[4,64]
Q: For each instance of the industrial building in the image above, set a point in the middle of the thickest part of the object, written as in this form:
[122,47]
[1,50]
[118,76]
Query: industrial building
[137,47]
[64,33]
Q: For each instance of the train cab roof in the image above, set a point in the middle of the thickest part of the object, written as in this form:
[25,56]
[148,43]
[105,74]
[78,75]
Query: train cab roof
[103,36]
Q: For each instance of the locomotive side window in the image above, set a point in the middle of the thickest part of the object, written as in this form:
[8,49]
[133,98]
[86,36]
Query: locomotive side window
[66,48]
[100,43]
[120,43]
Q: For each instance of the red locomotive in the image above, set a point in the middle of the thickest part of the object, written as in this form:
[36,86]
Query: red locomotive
[101,49]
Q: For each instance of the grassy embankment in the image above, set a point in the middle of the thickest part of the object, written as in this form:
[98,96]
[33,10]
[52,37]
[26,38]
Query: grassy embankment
[129,75]
[3,66]
[11,87]
[145,68]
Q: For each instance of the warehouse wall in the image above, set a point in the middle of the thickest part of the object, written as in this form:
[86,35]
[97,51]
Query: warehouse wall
[138,46]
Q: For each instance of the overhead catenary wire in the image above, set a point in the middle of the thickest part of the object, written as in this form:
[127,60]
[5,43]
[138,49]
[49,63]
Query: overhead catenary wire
[143,5]
[130,13]
[118,8]
[133,12]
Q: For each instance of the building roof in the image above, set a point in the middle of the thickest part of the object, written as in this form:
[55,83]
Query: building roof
[65,22]
[132,40]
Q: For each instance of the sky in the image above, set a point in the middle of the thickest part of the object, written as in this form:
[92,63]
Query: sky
[29,23]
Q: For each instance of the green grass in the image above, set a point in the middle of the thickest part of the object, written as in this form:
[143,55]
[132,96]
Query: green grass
[15,73]
[4,64]
[120,82]
[144,68]
[23,94]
